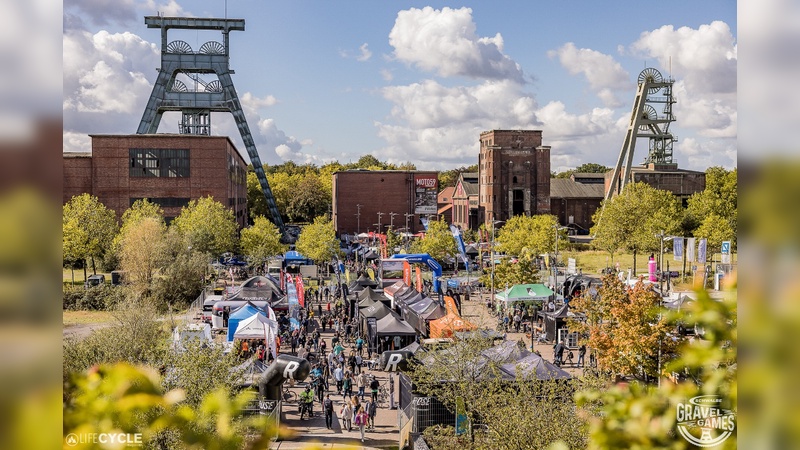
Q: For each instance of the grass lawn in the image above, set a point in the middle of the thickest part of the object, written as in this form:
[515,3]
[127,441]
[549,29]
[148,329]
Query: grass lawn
[86,317]
[593,261]
[67,276]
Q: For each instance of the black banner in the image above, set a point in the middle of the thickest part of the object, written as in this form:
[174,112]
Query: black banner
[372,334]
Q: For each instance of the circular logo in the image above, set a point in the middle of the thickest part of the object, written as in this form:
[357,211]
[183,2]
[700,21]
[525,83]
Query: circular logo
[72,439]
[703,422]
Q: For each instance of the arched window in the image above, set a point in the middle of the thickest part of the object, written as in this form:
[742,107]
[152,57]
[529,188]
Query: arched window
[514,180]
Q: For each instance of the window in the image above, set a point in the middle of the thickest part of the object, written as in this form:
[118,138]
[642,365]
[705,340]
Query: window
[156,162]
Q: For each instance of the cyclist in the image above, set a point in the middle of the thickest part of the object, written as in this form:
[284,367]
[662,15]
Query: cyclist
[307,402]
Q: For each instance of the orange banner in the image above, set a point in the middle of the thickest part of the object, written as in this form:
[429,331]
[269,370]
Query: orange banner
[406,273]
[419,279]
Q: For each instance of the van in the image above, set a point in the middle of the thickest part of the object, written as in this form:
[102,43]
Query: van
[94,280]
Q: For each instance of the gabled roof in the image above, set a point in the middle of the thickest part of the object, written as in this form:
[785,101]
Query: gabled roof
[446,196]
[469,181]
[566,188]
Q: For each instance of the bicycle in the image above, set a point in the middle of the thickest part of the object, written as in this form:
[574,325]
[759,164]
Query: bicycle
[288,395]
[383,396]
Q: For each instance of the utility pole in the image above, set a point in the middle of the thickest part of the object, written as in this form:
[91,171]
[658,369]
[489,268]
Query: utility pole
[391,219]
[380,214]
[407,216]
[555,263]
[491,254]
[358,216]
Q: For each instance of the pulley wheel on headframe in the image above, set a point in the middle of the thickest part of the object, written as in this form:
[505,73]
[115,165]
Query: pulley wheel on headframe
[650,75]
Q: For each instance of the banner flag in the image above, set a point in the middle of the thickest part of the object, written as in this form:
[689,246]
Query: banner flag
[701,251]
[690,249]
[301,292]
[677,248]
[462,249]
[424,221]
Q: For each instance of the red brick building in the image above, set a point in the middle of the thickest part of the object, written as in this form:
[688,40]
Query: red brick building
[466,210]
[408,194]
[514,174]
[169,170]
[668,177]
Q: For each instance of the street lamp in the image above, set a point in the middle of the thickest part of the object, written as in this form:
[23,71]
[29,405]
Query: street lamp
[555,263]
[380,214]
[407,216]
[662,238]
[358,216]
[491,255]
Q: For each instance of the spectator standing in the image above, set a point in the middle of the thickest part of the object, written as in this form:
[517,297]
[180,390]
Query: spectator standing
[361,421]
[347,415]
[327,406]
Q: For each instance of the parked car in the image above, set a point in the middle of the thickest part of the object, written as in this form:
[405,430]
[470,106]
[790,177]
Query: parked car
[94,280]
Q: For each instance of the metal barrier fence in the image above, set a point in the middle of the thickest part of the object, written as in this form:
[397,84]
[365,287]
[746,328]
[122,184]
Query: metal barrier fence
[421,413]
[269,408]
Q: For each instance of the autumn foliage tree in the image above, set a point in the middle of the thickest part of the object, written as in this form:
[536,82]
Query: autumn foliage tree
[438,241]
[626,328]
[207,226]
[88,229]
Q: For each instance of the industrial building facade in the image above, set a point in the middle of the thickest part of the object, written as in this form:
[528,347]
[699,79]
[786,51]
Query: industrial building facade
[366,200]
[668,177]
[168,170]
[514,174]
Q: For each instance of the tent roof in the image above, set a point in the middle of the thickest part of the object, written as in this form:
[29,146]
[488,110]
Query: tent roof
[412,347]
[366,302]
[447,325]
[253,327]
[533,363]
[245,311]
[370,293]
[391,325]
[293,255]
[365,281]
[522,292]
[394,289]
[377,310]
[437,312]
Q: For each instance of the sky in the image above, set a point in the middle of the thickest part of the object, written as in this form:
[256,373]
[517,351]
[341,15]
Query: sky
[419,81]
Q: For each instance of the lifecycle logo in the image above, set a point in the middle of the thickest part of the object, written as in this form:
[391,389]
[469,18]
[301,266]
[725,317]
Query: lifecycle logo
[703,422]
[72,439]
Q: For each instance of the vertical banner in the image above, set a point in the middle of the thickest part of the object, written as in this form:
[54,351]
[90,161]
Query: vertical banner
[690,249]
[425,194]
[462,249]
[371,273]
[372,334]
[462,422]
[677,248]
[419,279]
[701,251]
[424,222]
[406,273]
[726,252]
[301,292]
[294,306]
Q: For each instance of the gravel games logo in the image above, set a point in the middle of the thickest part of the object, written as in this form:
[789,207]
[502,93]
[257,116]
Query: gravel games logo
[703,422]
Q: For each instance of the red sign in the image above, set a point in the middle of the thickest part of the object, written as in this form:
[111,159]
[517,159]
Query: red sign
[301,292]
[428,181]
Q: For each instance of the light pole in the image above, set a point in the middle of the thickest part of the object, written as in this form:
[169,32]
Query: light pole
[358,216]
[407,216]
[391,219]
[555,263]
[662,237]
[380,214]
[491,255]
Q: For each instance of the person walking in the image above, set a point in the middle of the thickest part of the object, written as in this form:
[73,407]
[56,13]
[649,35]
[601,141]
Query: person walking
[327,406]
[373,387]
[359,345]
[361,421]
[372,411]
[338,375]
[347,415]
[581,354]
[347,385]
[363,380]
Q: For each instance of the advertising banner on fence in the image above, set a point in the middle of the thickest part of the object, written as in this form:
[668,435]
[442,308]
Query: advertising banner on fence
[677,248]
[425,194]
[690,249]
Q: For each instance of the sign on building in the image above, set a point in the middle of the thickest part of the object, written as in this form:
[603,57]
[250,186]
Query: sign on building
[425,194]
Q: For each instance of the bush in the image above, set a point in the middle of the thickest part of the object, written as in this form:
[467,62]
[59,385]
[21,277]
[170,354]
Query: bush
[98,298]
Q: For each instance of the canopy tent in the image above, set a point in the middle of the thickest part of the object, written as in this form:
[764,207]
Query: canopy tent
[368,292]
[398,288]
[361,283]
[554,321]
[294,257]
[448,325]
[535,365]
[391,325]
[258,326]
[371,256]
[262,282]
[410,299]
[483,333]
[421,311]
[525,293]
[377,310]
[244,312]
[366,303]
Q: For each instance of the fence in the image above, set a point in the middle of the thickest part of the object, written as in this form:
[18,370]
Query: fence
[421,413]
[269,408]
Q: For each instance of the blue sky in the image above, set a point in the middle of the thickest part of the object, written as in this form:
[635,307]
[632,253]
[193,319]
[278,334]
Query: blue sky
[419,81]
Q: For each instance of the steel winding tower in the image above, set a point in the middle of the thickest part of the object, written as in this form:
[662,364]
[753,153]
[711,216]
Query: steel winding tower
[646,122]
[172,94]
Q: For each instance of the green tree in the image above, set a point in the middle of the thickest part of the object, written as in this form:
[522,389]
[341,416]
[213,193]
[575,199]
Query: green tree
[206,226]
[318,240]
[632,220]
[143,250]
[528,237]
[88,229]
[720,197]
[583,168]
[438,241]
[282,185]
[256,202]
[715,229]
[121,398]
[448,178]
[182,280]
[261,241]
[308,199]
[393,240]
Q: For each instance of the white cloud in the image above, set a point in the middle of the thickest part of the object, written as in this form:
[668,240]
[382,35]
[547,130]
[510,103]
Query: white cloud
[76,142]
[444,41]
[365,53]
[387,75]
[104,12]
[702,153]
[251,104]
[602,72]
